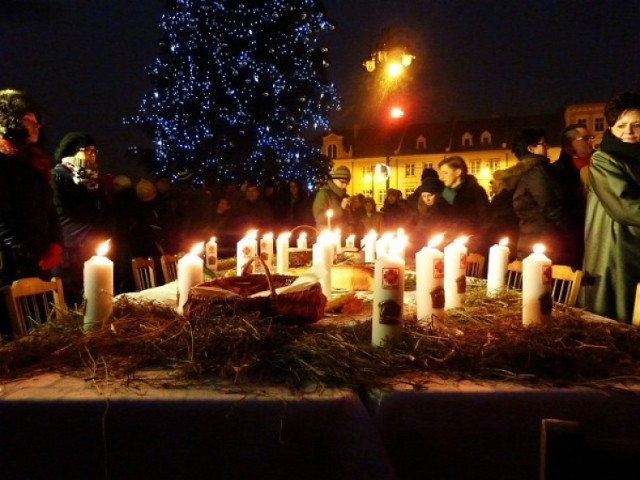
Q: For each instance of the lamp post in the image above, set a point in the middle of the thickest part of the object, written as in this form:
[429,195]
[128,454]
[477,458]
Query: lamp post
[391,50]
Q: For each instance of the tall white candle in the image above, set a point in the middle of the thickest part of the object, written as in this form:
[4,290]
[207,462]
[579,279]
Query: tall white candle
[455,269]
[388,299]
[497,269]
[246,249]
[211,255]
[398,245]
[282,253]
[98,288]
[322,255]
[302,241]
[369,243]
[430,283]
[266,249]
[190,274]
[336,238]
[536,287]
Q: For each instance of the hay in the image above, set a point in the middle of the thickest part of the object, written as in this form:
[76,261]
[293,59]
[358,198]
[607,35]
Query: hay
[485,340]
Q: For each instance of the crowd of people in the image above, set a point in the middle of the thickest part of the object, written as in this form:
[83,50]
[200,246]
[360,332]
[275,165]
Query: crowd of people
[584,206]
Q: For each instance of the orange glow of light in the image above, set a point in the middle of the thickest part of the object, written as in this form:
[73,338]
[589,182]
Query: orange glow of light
[461,240]
[396,112]
[504,242]
[539,248]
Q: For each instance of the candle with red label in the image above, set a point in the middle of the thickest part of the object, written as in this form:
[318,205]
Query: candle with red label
[536,287]
[98,288]
[388,299]
[266,249]
[430,282]
[211,255]
[190,274]
[497,269]
[455,269]
[246,249]
[282,253]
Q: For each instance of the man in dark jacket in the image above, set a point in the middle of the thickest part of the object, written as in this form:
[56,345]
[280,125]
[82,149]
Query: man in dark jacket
[333,196]
[537,198]
[571,171]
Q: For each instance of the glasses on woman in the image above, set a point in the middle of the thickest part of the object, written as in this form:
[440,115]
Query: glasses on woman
[89,151]
[586,138]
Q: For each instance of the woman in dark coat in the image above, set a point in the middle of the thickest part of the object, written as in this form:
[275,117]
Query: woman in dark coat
[468,200]
[30,236]
[612,233]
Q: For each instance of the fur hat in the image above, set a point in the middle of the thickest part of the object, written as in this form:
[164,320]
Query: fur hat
[71,143]
[341,173]
[428,172]
[431,185]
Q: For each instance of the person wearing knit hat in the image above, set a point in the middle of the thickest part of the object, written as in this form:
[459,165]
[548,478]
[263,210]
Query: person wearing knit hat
[80,200]
[432,185]
[333,196]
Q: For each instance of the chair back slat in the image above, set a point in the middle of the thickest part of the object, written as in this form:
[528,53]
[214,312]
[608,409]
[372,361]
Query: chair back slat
[169,264]
[475,265]
[514,275]
[144,275]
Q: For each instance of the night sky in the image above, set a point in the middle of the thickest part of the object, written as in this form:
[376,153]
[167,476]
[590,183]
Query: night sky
[85,60]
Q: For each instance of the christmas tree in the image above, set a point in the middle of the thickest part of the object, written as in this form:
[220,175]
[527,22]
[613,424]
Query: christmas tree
[240,89]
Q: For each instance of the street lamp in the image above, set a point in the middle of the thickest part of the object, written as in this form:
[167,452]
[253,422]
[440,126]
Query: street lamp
[391,48]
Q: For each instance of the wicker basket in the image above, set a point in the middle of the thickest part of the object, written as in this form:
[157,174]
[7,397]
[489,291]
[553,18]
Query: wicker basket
[232,295]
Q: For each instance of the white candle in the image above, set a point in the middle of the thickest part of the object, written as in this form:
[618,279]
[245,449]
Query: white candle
[190,274]
[430,283]
[388,299]
[497,269]
[398,245]
[98,288]
[302,241]
[536,287]
[322,255]
[266,249]
[282,253]
[336,238]
[369,242]
[350,242]
[455,269]
[329,216]
[246,249]
[211,255]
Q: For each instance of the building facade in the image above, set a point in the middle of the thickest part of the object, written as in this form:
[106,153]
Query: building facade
[394,156]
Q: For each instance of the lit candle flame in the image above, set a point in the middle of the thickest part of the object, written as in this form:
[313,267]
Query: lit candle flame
[303,235]
[504,242]
[103,248]
[436,240]
[252,234]
[461,240]
[212,239]
[197,249]
[538,248]
[329,213]
[267,236]
[284,235]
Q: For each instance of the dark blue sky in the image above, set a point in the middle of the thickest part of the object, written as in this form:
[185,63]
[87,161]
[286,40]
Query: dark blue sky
[85,59]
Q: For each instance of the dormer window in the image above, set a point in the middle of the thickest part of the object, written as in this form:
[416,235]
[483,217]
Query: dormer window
[485,138]
[421,143]
[467,140]
[332,151]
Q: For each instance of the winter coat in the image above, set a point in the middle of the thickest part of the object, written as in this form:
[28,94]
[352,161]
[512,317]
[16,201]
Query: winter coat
[330,197]
[468,213]
[574,199]
[28,220]
[502,220]
[612,233]
[537,202]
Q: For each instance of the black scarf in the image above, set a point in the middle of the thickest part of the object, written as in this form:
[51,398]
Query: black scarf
[629,152]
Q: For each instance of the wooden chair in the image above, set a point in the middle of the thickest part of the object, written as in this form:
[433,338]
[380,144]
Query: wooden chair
[169,264]
[144,273]
[514,275]
[636,307]
[475,265]
[565,284]
[32,301]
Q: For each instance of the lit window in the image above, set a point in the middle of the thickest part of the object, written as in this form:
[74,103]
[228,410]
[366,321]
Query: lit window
[467,140]
[332,151]
[410,170]
[598,125]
